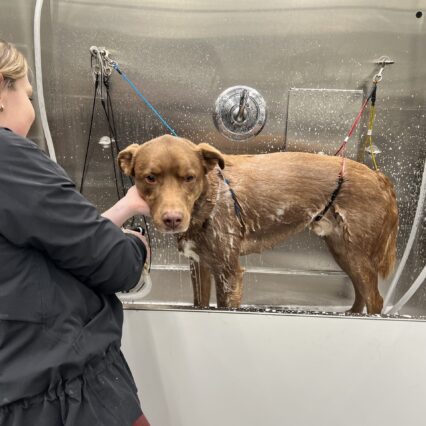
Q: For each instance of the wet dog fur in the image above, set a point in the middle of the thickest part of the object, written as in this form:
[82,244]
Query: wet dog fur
[279,194]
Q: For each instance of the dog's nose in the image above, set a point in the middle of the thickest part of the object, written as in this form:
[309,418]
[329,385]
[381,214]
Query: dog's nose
[172,219]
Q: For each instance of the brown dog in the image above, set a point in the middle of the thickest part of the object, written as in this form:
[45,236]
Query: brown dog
[257,202]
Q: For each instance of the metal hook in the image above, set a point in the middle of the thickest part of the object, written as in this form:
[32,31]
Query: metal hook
[107,59]
[240,115]
[382,61]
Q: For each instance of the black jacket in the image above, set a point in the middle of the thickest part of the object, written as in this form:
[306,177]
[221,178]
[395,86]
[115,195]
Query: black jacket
[60,321]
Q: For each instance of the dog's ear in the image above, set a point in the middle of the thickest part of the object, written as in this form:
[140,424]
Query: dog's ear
[126,159]
[211,156]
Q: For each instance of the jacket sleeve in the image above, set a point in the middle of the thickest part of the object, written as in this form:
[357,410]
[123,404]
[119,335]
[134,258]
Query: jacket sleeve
[40,208]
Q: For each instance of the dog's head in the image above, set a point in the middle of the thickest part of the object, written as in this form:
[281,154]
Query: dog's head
[170,174]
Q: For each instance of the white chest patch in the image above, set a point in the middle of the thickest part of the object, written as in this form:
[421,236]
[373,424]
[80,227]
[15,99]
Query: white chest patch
[188,250]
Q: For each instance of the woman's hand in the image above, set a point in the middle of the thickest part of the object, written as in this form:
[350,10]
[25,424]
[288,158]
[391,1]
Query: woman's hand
[130,205]
[144,240]
[136,202]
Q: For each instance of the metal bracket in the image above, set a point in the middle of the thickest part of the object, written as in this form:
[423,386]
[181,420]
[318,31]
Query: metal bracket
[102,65]
[382,61]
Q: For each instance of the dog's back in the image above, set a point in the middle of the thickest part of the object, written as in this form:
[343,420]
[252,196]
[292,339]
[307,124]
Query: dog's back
[293,188]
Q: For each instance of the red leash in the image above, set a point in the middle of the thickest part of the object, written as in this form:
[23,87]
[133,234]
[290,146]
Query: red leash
[358,117]
[342,149]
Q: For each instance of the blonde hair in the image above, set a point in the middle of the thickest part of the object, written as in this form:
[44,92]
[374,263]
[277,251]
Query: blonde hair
[13,64]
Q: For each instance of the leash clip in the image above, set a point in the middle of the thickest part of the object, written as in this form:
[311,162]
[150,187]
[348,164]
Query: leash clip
[382,61]
[138,229]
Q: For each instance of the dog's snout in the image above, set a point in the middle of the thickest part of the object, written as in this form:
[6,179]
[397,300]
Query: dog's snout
[172,219]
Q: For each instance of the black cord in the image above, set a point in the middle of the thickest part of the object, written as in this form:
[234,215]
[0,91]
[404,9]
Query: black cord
[113,127]
[112,137]
[373,94]
[85,164]
[101,89]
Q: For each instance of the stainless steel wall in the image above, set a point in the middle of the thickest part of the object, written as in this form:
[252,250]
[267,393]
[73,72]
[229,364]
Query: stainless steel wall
[183,54]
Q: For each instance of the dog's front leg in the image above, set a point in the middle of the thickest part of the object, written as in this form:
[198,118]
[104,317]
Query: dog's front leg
[201,283]
[229,285]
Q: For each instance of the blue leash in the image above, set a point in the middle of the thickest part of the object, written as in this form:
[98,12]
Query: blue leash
[147,103]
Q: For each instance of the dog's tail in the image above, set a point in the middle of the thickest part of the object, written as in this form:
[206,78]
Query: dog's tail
[389,229]
[388,260]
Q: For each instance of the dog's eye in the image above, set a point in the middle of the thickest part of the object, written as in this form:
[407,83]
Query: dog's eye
[150,179]
[189,178]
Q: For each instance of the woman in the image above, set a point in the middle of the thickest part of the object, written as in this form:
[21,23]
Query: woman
[61,264]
